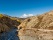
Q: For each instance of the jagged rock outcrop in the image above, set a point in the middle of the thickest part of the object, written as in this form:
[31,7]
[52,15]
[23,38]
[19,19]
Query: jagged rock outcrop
[37,27]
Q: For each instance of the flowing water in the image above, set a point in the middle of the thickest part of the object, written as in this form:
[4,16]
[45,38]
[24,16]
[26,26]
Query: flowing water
[11,35]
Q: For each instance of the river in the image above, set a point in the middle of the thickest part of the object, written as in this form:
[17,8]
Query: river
[11,35]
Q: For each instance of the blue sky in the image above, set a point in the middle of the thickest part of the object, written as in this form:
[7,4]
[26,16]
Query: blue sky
[19,7]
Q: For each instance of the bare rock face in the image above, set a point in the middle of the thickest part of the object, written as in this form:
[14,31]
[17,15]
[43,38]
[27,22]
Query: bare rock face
[37,27]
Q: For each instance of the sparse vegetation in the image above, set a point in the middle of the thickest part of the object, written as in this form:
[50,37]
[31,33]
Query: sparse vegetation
[1,15]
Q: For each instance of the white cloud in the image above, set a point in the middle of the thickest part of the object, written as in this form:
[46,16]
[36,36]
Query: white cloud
[26,15]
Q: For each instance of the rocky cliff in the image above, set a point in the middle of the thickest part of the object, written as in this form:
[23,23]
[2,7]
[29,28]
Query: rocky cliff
[37,27]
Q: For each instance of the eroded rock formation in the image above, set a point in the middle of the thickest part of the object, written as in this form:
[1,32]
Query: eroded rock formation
[37,27]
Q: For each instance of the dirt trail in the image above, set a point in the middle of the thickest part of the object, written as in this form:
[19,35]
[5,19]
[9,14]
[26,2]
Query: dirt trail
[45,30]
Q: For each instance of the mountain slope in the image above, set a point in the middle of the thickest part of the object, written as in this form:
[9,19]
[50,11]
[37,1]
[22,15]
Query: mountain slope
[8,27]
[7,23]
[37,27]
